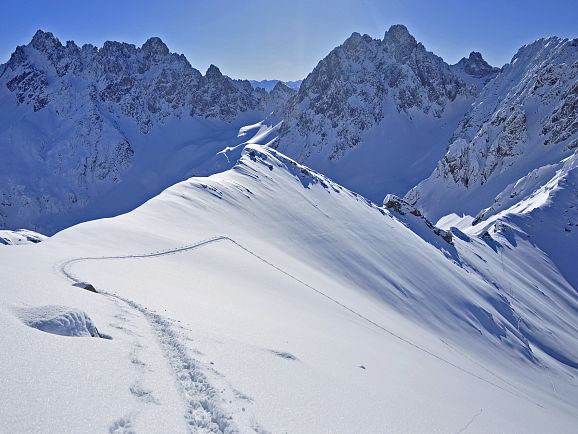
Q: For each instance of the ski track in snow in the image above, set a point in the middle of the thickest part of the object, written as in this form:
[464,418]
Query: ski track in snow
[203,411]
[473,418]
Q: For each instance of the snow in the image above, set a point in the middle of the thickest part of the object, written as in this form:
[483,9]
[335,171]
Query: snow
[58,320]
[520,124]
[20,236]
[257,295]
[268,298]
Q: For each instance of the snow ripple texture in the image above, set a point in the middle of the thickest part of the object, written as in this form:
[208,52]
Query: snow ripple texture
[58,320]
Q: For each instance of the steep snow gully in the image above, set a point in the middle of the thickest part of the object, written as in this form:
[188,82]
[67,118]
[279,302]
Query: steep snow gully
[203,411]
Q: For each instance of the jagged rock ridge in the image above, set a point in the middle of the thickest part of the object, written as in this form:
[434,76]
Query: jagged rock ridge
[367,97]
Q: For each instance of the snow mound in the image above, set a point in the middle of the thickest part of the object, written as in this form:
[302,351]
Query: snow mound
[59,320]
[20,236]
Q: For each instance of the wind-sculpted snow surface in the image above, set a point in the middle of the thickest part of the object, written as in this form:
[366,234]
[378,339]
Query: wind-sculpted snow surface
[58,320]
[387,106]
[268,298]
[79,125]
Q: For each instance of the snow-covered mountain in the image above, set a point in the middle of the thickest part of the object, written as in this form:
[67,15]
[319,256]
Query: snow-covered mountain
[268,298]
[376,115]
[512,165]
[88,132]
[519,130]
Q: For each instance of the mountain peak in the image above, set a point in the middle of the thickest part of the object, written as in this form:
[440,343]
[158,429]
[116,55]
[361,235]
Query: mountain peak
[44,41]
[476,66]
[476,56]
[280,87]
[399,35]
[213,72]
[399,42]
[354,37]
[355,40]
[155,46]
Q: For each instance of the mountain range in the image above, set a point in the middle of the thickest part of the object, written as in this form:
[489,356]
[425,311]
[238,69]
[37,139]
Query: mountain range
[388,247]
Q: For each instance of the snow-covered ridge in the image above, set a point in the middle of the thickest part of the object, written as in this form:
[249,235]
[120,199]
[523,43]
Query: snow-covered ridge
[542,207]
[222,287]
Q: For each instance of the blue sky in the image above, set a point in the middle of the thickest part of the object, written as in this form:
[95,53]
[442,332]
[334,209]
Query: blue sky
[285,39]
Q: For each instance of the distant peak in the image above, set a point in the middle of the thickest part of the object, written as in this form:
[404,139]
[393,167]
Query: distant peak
[44,41]
[213,72]
[155,46]
[281,87]
[399,35]
[476,55]
[41,35]
[476,66]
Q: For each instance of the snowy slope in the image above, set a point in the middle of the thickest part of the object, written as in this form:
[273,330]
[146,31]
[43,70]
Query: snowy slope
[89,132]
[267,298]
[377,115]
[511,167]
[541,207]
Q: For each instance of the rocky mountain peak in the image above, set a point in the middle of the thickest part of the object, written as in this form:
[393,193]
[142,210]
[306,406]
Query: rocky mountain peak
[213,72]
[523,121]
[476,56]
[155,47]
[346,90]
[118,48]
[45,41]
[476,66]
[398,39]
[355,41]
[364,89]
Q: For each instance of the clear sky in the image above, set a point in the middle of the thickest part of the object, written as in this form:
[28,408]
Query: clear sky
[260,39]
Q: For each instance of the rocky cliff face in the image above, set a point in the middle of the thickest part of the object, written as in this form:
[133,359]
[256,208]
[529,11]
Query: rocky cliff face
[524,119]
[76,120]
[370,90]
